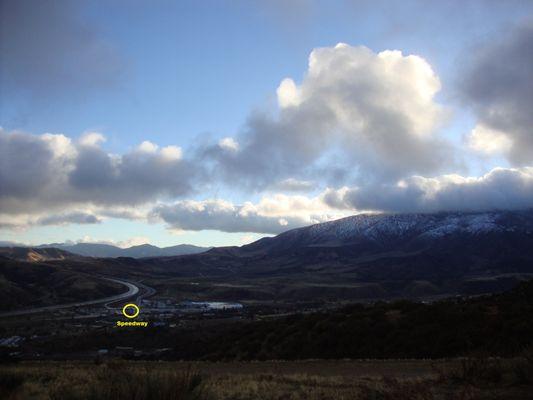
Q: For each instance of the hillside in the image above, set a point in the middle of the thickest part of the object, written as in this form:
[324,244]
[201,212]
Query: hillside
[35,254]
[26,284]
[374,256]
[405,231]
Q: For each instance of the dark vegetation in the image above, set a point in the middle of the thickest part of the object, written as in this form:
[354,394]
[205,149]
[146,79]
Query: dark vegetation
[499,325]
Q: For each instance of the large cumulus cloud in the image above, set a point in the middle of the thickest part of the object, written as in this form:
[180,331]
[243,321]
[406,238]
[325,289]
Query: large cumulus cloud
[498,85]
[372,114]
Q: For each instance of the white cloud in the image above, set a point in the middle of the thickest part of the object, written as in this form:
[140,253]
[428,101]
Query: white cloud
[489,141]
[171,153]
[133,241]
[228,143]
[270,215]
[92,139]
[360,86]
[501,188]
[147,147]
[288,94]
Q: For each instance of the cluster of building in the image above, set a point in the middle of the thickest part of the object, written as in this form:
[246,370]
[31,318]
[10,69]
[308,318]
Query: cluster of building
[11,342]
[170,306]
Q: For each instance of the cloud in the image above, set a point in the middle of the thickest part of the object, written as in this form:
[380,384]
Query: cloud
[47,48]
[501,188]
[271,215]
[92,139]
[498,85]
[358,118]
[27,220]
[50,172]
[30,163]
[145,174]
[228,144]
[489,141]
[372,114]
[219,215]
[124,244]
[356,113]
[293,185]
[69,218]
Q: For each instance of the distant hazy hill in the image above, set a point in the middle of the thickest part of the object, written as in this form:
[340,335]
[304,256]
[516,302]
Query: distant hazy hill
[106,250]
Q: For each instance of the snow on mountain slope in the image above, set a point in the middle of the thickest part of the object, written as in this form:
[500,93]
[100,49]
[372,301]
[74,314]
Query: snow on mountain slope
[379,227]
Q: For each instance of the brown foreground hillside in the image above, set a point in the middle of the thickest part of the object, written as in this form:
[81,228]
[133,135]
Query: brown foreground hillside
[465,379]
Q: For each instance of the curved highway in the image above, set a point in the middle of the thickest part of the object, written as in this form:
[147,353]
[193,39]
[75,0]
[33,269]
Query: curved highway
[132,291]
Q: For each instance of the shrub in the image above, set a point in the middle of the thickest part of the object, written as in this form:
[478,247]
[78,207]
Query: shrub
[393,389]
[523,367]
[474,370]
[10,381]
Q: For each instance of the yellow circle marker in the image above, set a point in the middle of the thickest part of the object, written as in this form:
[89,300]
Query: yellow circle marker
[130,315]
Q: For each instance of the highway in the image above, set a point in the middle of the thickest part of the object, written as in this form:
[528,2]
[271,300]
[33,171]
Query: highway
[146,291]
[132,291]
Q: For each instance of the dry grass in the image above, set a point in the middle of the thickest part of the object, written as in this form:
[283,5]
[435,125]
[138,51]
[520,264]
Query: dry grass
[467,379]
[111,381]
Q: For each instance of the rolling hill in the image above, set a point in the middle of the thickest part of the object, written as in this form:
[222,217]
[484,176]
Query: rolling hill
[25,284]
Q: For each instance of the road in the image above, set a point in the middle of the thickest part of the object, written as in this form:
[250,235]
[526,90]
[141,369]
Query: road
[144,292]
[132,291]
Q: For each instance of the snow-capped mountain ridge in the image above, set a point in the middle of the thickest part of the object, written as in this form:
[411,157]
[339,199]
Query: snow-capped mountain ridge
[376,227]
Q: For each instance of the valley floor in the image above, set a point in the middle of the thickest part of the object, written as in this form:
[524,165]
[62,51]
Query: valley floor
[466,379]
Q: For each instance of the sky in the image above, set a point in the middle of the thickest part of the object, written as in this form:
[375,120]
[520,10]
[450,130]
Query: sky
[219,122]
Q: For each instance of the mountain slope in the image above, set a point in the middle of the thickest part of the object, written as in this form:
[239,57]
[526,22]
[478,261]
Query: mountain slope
[370,256]
[397,230]
[33,284]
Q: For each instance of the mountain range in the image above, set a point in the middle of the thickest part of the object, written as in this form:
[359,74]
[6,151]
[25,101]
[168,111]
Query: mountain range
[106,250]
[379,255]
[367,256]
